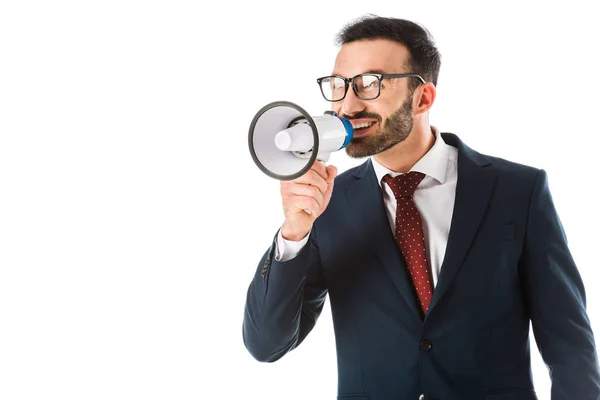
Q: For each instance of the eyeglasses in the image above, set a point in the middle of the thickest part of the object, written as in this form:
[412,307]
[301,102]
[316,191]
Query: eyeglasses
[365,86]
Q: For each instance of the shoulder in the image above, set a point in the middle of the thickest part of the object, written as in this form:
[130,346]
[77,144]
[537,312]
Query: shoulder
[512,168]
[504,168]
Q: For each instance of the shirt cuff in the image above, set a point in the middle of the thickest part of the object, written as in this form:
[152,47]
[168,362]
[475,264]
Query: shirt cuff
[286,250]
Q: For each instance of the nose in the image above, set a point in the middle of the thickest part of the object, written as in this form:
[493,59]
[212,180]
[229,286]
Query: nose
[351,104]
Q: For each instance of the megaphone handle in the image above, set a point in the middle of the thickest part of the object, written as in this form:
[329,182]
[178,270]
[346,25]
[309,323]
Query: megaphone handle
[323,157]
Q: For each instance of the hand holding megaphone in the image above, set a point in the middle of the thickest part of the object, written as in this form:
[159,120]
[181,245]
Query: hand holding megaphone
[285,141]
[305,198]
[290,145]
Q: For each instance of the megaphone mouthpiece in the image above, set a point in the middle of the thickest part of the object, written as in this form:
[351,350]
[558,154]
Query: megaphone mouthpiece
[297,138]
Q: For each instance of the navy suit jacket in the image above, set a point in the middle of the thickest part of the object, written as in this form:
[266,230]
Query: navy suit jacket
[507,264]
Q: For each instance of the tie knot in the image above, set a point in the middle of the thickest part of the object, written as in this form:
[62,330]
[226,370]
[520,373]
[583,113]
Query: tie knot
[404,185]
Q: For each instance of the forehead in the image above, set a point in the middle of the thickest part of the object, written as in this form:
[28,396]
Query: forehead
[371,55]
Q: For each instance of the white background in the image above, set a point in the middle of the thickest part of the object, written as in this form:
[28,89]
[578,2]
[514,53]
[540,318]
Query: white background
[132,216]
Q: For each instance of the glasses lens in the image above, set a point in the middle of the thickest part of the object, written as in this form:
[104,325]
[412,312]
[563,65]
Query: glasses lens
[333,88]
[367,86]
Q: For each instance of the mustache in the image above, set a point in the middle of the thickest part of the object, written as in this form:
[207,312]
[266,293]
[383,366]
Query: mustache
[363,114]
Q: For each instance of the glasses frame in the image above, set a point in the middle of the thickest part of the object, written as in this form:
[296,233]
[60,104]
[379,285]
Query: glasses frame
[349,81]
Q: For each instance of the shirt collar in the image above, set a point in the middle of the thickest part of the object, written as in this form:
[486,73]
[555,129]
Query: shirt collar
[433,163]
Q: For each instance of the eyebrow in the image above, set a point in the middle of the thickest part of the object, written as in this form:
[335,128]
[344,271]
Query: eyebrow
[369,71]
[375,71]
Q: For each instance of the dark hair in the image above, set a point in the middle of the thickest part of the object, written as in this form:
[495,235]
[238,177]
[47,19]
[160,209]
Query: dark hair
[424,59]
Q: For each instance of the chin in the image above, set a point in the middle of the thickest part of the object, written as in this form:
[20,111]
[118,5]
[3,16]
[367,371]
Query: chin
[359,149]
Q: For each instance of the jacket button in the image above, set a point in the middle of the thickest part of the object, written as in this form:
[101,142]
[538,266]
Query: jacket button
[425,345]
[422,397]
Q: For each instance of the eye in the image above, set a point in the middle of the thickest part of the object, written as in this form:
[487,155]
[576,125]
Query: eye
[368,83]
[338,84]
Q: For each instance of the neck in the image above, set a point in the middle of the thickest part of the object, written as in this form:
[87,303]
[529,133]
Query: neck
[404,155]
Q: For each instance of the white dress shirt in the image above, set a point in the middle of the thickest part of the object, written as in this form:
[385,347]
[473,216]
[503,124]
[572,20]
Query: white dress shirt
[434,199]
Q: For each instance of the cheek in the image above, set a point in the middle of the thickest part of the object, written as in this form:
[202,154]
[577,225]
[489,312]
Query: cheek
[337,107]
[390,109]
[383,112]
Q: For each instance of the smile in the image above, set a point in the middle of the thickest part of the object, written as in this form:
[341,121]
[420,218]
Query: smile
[363,125]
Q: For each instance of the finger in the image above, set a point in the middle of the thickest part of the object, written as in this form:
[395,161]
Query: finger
[319,168]
[304,190]
[300,203]
[312,178]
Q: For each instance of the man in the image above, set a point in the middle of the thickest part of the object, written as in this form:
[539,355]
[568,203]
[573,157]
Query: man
[436,258]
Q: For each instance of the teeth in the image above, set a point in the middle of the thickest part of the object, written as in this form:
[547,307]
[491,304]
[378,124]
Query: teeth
[362,125]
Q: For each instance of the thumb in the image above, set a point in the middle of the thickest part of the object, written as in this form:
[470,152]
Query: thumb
[331,173]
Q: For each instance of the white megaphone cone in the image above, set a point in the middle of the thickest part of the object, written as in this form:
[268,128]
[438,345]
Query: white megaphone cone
[285,141]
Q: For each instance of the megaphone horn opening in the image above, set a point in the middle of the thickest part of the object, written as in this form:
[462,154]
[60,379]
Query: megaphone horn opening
[267,123]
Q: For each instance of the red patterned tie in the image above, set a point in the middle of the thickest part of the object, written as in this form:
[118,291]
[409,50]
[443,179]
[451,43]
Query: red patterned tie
[409,234]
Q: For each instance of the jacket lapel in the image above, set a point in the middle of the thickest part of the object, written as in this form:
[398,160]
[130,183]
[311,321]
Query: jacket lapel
[372,225]
[473,191]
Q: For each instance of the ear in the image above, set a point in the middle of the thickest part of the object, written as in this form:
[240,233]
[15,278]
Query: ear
[423,98]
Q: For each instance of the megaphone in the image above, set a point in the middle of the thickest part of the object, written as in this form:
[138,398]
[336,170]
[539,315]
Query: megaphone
[285,140]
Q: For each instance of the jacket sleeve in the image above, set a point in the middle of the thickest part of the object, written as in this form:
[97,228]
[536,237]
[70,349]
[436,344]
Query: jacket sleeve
[556,302]
[283,302]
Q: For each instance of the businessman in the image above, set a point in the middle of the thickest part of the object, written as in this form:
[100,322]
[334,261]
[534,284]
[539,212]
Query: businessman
[436,258]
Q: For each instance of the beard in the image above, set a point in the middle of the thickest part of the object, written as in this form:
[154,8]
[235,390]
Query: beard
[395,129]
